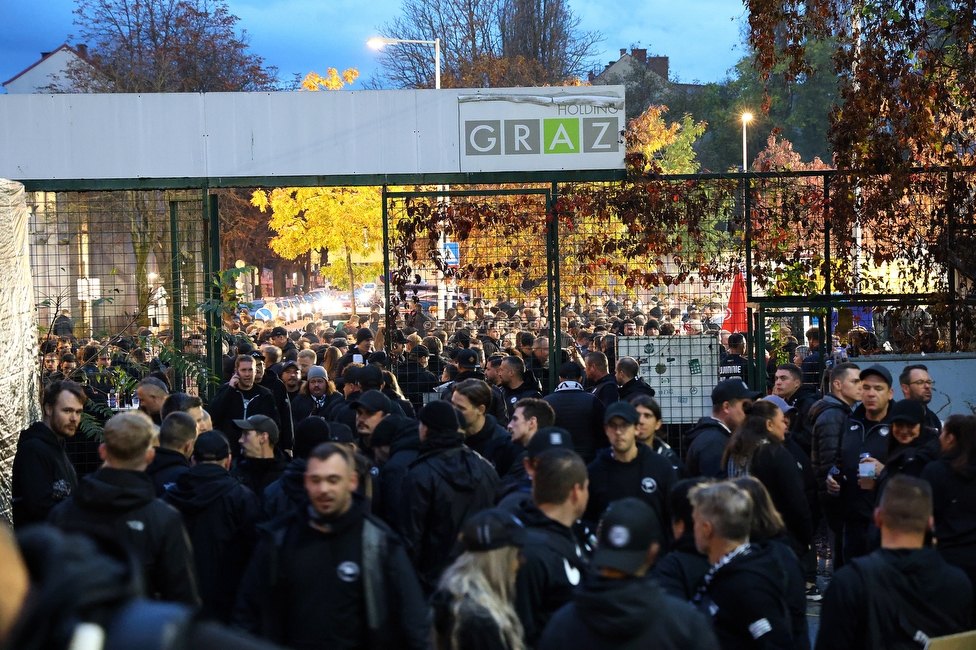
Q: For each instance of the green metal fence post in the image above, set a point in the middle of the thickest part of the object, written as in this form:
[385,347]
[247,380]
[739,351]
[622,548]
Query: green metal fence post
[555,302]
[212,271]
[387,277]
[176,286]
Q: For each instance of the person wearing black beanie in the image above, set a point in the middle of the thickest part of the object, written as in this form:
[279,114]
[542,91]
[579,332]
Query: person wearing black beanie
[443,487]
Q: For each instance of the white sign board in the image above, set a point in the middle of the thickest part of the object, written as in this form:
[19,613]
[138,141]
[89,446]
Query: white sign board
[310,134]
[501,130]
[682,370]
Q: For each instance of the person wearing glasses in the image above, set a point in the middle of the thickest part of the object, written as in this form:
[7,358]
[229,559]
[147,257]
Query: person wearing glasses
[917,384]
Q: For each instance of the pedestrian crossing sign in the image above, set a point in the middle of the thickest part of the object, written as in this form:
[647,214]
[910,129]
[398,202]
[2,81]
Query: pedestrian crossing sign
[450,253]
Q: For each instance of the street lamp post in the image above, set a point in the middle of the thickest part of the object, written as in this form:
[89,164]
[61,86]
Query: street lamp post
[746,118]
[377,42]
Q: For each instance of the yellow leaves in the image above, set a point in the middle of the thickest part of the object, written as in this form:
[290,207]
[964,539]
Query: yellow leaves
[331,81]
[260,200]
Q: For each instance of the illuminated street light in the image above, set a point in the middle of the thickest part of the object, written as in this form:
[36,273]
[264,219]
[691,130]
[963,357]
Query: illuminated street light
[377,42]
[746,118]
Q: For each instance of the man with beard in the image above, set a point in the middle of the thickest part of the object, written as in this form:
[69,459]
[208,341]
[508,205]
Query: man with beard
[42,473]
[917,384]
[287,494]
[371,407]
[238,399]
[316,396]
[332,575]
[261,462]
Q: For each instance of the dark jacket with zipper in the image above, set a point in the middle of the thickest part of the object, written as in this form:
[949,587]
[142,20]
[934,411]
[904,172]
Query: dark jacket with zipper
[122,504]
[860,436]
[258,473]
[404,449]
[553,566]
[829,415]
[443,487]
[43,476]
[359,552]
[231,404]
[636,386]
[802,426]
[220,516]
[605,390]
[626,614]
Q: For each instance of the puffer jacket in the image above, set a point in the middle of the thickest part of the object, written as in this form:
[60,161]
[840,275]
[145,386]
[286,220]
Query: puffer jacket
[829,416]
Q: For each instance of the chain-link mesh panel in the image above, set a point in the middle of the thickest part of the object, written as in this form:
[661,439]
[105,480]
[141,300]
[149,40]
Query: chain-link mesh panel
[117,280]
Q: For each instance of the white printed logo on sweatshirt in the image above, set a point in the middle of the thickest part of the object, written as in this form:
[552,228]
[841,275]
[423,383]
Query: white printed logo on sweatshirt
[348,571]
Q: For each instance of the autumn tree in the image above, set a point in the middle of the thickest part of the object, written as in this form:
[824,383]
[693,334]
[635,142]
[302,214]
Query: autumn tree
[485,43]
[145,46]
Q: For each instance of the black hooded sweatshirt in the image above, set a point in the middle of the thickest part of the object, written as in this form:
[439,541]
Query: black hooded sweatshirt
[626,614]
[167,465]
[954,510]
[552,567]
[220,516]
[287,493]
[259,473]
[680,571]
[43,475]
[443,487]
[706,443]
[122,504]
[404,449]
[883,600]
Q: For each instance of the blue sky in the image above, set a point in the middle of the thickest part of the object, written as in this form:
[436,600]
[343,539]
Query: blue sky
[701,37]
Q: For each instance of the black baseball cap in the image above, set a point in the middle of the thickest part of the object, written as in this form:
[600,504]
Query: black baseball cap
[467,358]
[732,389]
[260,423]
[380,358]
[287,365]
[548,438]
[627,530]
[880,371]
[279,331]
[624,410]
[371,377]
[419,351]
[210,446]
[340,342]
[491,529]
[373,401]
[911,411]
[257,355]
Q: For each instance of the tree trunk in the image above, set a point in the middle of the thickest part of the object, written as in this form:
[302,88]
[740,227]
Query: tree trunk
[352,281]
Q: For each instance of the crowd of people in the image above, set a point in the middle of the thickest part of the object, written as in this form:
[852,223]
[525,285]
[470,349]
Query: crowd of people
[445,487]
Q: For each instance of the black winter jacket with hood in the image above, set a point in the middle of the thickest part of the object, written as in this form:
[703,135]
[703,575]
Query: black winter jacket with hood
[220,516]
[580,413]
[552,568]
[885,599]
[443,487]
[626,614]
[258,473]
[680,571]
[287,493]
[954,510]
[404,449]
[166,467]
[43,476]
[121,503]
[802,426]
[746,595]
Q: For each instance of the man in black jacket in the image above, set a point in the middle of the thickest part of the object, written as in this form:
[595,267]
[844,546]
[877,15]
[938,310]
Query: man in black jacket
[916,383]
[680,571]
[43,475]
[414,378]
[553,561]
[707,439]
[444,486]
[903,593]
[745,590]
[239,399]
[220,516]
[287,494]
[603,385]
[332,576]
[261,463]
[578,411]
[628,469]
[472,398]
[118,500]
[789,386]
[628,383]
[618,605]
[514,386]
[177,436]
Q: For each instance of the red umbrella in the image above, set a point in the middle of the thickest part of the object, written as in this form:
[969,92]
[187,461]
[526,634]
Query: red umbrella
[735,313]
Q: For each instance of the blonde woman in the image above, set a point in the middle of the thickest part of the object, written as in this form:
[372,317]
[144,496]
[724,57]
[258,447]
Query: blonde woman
[474,606]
